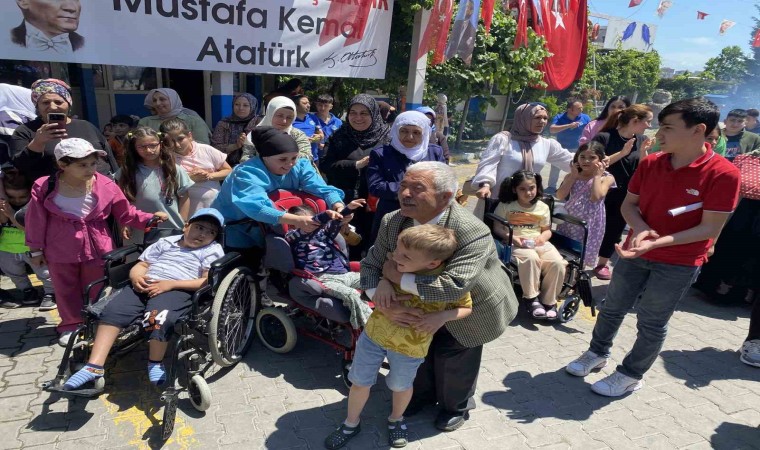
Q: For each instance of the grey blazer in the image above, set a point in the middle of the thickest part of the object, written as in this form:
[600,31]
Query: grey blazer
[475,268]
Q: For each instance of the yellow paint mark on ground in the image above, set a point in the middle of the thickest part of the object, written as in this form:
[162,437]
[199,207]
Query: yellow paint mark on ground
[142,413]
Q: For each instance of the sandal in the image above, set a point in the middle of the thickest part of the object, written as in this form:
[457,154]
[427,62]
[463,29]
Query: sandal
[341,436]
[397,434]
[537,310]
[551,311]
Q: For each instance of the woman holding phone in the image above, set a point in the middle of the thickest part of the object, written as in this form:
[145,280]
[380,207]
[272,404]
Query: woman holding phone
[32,144]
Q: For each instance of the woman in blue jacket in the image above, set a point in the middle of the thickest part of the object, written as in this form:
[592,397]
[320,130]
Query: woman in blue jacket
[410,143]
[245,192]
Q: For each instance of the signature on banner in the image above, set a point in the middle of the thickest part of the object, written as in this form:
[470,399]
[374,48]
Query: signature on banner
[363,58]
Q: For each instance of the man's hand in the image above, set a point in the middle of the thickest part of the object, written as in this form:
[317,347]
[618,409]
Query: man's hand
[385,294]
[401,315]
[484,192]
[390,271]
[159,287]
[431,322]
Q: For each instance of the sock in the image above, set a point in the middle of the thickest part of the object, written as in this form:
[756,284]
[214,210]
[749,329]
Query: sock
[350,427]
[156,372]
[390,419]
[84,375]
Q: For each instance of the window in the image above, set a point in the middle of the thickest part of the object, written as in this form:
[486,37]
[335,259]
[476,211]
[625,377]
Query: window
[23,73]
[128,78]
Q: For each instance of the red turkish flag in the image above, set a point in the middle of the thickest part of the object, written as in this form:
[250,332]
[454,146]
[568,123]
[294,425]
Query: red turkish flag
[356,14]
[486,13]
[756,40]
[563,23]
[634,3]
[436,32]
[701,15]
[521,38]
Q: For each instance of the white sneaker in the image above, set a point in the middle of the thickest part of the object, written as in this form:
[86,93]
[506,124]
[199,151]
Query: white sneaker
[588,362]
[616,385]
[63,339]
[750,353]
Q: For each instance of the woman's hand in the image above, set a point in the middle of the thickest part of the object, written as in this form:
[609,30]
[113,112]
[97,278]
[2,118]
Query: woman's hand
[161,216]
[37,261]
[126,233]
[628,146]
[362,163]
[484,192]
[647,146]
[305,223]
[46,133]
[241,140]
[356,204]
[333,215]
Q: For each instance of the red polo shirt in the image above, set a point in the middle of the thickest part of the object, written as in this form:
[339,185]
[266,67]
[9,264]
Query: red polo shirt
[710,179]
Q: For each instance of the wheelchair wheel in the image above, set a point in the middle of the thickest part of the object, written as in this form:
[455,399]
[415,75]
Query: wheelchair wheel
[276,330]
[233,314]
[345,366]
[200,393]
[568,309]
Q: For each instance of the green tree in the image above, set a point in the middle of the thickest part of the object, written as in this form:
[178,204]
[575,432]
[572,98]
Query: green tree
[495,66]
[621,72]
[730,65]
[688,86]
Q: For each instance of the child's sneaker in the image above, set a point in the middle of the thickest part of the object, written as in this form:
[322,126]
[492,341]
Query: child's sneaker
[750,353]
[616,385]
[588,362]
[48,303]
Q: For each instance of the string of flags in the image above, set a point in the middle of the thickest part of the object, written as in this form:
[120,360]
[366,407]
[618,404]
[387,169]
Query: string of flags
[665,5]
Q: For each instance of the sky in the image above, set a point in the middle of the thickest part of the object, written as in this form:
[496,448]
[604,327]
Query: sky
[682,41]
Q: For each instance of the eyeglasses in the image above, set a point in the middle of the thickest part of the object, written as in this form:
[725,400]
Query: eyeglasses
[148,146]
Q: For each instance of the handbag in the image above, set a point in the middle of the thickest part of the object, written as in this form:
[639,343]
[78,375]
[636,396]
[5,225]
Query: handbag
[749,169]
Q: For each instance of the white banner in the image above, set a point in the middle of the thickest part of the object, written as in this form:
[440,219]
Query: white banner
[340,38]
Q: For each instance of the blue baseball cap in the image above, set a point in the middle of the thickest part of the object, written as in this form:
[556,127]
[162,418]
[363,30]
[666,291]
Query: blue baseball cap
[210,213]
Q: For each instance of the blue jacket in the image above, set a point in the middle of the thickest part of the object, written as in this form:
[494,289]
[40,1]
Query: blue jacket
[384,173]
[244,194]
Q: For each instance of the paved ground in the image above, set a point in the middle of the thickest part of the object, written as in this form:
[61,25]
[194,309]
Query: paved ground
[697,396]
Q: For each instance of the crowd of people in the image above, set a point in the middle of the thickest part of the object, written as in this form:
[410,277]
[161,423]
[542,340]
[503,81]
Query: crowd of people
[434,271]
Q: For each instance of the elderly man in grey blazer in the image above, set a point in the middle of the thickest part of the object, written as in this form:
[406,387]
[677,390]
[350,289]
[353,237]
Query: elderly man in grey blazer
[449,374]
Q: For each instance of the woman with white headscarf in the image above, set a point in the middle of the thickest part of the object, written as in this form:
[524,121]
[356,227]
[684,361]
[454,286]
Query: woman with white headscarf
[16,108]
[166,104]
[281,111]
[410,143]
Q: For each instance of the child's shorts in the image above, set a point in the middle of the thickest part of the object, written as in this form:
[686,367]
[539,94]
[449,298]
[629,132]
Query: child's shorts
[368,358]
[158,314]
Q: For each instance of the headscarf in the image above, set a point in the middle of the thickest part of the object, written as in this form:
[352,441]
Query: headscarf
[17,100]
[270,141]
[428,110]
[174,101]
[237,124]
[370,137]
[522,133]
[51,86]
[272,107]
[418,119]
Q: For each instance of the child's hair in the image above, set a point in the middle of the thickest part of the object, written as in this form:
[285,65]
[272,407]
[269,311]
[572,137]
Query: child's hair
[507,190]
[594,146]
[128,179]
[301,210]
[175,124]
[435,241]
[325,98]
[67,160]
[752,112]
[738,113]
[123,118]
[16,181]
[624,117]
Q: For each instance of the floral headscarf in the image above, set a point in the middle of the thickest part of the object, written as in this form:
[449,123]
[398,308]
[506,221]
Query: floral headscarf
[50,86]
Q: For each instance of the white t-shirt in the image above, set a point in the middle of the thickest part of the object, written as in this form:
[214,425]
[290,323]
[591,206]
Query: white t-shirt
[76,206]
[169,261]
[503,157]
[207,158]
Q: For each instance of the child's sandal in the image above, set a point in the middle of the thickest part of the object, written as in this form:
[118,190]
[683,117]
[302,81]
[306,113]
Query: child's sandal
[341,436]
[398,436]
[551,311]
[537,310]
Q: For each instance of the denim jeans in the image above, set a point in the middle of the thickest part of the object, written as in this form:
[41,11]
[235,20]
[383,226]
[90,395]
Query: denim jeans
[661,287]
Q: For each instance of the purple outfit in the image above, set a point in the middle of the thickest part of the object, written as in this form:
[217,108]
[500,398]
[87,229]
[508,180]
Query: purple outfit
[318,252]
[579,204]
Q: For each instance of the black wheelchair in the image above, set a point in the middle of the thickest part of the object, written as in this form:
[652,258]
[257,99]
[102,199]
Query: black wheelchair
[576,288]
[218,330]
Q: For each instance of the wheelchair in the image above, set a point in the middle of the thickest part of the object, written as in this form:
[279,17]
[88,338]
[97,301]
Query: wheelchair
[304,308]
[218,329]
[576,287]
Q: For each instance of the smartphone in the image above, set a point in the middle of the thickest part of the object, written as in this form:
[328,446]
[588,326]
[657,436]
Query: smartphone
[59,119]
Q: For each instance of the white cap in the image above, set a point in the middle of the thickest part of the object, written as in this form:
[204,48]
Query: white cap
[76,148]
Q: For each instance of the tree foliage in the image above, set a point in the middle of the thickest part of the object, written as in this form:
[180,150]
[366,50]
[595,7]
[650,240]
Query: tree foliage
[621,72]
[730,65]
[688,86]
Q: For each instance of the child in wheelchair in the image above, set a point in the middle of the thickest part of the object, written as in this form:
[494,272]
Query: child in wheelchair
[162,284]
[421,249]
[321,255]
[540,266]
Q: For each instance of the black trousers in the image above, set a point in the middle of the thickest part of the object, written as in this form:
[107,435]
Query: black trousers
[615,222]
[754,321]
[449,374]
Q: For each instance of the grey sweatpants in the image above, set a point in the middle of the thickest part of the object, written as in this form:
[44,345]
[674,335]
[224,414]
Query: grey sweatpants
[14,265]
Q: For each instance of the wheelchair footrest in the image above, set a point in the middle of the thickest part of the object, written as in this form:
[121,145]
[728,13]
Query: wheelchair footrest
[82,392]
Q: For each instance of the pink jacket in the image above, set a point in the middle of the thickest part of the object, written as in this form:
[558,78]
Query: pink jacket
[69,239]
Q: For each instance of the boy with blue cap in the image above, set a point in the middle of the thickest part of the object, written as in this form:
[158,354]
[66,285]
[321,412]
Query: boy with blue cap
[163,282]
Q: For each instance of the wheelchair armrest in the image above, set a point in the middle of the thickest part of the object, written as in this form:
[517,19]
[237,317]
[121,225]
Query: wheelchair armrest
[570,219]
[195,300]
[499,219]
[225,260]
[120,253]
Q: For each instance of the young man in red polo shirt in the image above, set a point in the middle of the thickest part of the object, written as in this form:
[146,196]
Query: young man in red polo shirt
[678,200]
